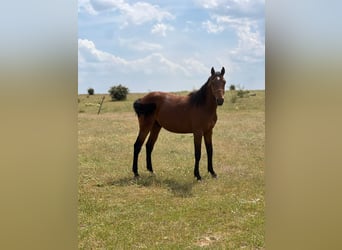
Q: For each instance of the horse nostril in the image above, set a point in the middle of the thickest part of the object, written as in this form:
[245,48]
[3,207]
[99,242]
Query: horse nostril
[219,101]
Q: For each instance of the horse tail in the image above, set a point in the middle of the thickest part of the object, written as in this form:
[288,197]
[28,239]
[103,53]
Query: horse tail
[145,109]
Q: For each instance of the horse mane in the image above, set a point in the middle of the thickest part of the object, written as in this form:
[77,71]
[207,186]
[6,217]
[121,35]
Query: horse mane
[198,97]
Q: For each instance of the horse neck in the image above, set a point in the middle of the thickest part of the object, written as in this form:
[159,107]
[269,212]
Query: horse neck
[210,99]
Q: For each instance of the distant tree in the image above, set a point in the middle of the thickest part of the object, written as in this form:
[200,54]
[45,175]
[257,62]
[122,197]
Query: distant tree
[118,92]
[232,87]
[91,91]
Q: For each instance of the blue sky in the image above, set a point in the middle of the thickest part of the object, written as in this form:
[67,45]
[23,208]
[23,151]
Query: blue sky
[169,45]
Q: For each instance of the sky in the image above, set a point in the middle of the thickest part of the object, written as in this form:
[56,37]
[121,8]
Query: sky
[169,45]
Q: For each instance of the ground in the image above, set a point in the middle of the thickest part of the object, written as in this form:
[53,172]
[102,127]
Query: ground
[171,210]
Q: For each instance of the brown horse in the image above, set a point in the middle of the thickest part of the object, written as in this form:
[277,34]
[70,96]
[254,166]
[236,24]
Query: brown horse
[194,113]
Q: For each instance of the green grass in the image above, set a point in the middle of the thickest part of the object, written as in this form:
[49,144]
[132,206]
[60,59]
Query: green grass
[171,210]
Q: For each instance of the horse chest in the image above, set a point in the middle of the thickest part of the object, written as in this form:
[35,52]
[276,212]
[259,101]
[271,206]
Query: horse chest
[205,122]
[212,121]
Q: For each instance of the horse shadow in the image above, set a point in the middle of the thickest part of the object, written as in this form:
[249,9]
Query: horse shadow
[178,188]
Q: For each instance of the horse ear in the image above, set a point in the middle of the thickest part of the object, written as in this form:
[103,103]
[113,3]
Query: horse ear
[223,71]
[212,71]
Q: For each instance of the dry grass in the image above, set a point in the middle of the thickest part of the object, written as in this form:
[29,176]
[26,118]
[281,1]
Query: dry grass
[170,210]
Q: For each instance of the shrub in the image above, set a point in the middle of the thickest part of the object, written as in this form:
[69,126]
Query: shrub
[242,93]
[90,91]
[118,92]
[237,91]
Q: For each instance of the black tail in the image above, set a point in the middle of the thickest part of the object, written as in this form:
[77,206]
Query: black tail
[144,108]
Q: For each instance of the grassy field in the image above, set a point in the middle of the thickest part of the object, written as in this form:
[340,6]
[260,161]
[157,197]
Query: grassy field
[171,210]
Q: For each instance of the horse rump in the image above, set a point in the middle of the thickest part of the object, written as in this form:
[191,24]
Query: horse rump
[145,109]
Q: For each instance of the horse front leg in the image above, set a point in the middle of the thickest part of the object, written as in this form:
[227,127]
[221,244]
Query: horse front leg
[197,142]
[209,148]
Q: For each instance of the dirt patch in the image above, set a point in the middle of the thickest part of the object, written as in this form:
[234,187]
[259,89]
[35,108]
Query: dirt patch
[205,241]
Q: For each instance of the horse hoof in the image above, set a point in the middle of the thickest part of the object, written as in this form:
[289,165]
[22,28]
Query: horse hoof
[214,176]
[136,176]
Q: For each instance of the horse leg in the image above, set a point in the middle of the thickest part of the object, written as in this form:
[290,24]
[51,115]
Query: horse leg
[198,143]
[209,148]
[143,132]
[150,143]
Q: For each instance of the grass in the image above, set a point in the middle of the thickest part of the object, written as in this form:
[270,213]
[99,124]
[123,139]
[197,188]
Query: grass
[170,210]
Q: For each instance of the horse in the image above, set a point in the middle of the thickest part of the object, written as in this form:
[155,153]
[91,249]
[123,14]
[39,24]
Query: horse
[194,113]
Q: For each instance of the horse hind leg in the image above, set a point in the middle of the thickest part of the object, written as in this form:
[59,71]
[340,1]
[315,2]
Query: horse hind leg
[144,129]
[137,148]
[150,144]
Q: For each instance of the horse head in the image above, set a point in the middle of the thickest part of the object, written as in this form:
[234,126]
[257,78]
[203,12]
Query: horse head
[217,84]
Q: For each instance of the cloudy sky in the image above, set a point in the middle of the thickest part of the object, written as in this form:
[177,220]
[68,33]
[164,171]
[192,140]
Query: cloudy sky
[169,45]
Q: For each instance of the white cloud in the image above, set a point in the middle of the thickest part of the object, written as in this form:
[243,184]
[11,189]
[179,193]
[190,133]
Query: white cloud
[247,5]
[137,13]
[210,4]
[244,19]
[100,69]
[138,45]
[212,27]
[85,5]
[156,62]
[87,52]
[251,47]
[91,57]
[140,12]
[161,29]
[194,65]
[240,5]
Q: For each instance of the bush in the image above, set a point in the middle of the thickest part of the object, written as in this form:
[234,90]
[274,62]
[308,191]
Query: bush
[90,91]
[118,92]
[242,93]
[237,91]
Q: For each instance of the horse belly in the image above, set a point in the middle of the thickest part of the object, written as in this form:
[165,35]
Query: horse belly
[175,121]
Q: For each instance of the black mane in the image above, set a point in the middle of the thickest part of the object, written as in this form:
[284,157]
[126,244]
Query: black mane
[198,97]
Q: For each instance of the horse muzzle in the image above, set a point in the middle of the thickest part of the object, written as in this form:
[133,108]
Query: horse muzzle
[219,101]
